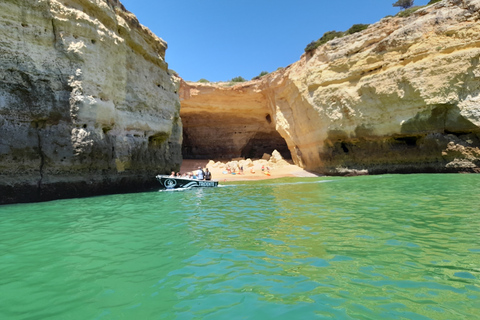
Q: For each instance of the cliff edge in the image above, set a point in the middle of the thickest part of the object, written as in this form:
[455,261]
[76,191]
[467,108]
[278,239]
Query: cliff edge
[401,96]
[87,105]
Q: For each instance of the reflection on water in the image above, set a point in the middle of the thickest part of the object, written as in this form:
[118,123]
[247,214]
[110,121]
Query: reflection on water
[379,247]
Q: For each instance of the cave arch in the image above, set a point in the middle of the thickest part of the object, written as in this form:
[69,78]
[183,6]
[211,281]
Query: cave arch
[228,141]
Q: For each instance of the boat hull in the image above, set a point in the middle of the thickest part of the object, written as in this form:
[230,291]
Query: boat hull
[168,182]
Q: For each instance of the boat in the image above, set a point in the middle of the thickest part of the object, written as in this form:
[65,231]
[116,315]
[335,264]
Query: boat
[169,182]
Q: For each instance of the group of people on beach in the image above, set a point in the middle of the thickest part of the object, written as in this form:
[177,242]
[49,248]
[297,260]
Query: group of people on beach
[199,174]
[239,170]
[234,170]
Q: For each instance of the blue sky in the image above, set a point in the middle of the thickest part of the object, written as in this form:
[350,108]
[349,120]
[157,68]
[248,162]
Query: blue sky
[220,39]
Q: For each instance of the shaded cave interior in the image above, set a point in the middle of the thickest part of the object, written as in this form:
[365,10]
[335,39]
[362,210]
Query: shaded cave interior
[265,142]
[221,148]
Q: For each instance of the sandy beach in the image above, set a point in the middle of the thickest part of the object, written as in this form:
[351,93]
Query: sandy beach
[218,170]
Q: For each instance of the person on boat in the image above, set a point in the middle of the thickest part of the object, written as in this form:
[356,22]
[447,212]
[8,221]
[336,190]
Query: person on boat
[172,174]
[208,174]
[200,173]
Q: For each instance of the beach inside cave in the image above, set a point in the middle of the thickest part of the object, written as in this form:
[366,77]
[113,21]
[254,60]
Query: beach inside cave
[250,172]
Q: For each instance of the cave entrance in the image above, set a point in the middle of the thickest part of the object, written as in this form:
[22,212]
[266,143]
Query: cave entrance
[198,146]
[220,137]
[265,142]
[260,143]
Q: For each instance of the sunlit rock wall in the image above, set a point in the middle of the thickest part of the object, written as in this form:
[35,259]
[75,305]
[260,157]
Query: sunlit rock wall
[401,96]
[87,105]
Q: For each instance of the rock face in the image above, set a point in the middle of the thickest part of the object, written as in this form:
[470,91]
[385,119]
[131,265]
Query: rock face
[87,105]
[227,122]
[400,96]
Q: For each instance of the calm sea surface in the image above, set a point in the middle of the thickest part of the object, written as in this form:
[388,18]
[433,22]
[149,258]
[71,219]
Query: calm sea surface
[372,247]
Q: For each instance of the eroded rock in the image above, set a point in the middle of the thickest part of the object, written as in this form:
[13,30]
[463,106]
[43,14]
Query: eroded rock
[388,99]
[87,105]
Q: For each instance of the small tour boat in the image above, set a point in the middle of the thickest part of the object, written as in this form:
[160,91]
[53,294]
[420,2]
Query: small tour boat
[169,182]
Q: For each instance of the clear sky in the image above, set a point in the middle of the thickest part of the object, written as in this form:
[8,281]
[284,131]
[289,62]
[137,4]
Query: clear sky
[220,39]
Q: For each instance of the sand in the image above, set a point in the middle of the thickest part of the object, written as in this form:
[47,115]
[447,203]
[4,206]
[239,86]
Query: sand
[276,171]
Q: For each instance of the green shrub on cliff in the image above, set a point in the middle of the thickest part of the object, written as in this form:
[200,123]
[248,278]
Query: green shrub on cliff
[238,79]
[356,28]
[203,81]
[404,4]
[263,73]
[433,1]
[330,35]
[407,12]
[327,36]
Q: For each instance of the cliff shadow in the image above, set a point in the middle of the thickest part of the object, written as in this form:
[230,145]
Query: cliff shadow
[220,137]
[265,142]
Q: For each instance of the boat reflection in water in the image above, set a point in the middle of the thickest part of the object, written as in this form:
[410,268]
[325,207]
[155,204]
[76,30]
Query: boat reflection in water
[169,182]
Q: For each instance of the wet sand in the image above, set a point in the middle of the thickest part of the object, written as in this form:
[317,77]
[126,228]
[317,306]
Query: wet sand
[276,171]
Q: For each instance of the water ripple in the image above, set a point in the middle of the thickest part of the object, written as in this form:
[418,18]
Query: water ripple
[380,247]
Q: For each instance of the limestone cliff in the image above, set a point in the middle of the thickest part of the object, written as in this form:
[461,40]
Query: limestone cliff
[87,105]
[400,96]
[227,122]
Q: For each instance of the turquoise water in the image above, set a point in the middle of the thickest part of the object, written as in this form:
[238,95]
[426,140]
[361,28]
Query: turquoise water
[372,247]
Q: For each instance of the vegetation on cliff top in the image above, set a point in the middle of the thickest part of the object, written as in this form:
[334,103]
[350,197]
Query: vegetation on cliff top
[330,35]
[407,5]
[407,12]
[238,79]
[263,73]
[404,4]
